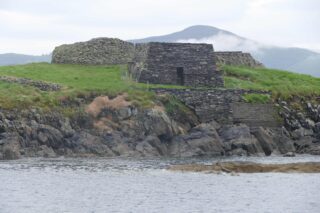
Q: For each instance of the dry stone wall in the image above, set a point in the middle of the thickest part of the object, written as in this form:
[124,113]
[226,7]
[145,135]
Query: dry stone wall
[255,115]
[41,85]
[157,62]
[97,51]
[236,58]
[226,106]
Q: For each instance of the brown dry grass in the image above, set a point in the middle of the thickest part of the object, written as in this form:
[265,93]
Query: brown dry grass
[101,102]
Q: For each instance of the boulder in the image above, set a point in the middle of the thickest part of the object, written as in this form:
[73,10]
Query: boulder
[156,122]
[301,132]
[66,128]
[265,139]
[10,147]
[46,152]
[202,140]
[85,143]
[155,142]
[231,132]
[314,150]
[284,144]
[238,152]
[50,136]
[123,149]
[146,149]
[308,123]
[317,127]
[303,144]
[239,137]
[250,145]
[307,145]
[292,124]
[289,154]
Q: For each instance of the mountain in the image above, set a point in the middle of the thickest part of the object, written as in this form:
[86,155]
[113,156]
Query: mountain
[13,59]
[195,32]
[284,58]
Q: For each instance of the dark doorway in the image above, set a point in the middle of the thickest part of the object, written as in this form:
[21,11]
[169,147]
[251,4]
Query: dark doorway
[180,76]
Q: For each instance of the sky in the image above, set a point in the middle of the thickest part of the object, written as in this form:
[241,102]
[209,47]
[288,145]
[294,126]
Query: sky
[37,26]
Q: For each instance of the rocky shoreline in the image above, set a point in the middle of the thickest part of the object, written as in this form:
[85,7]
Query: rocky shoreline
[105,127]
[249,167]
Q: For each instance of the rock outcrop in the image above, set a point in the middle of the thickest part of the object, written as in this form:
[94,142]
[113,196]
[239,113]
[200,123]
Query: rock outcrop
[116,127]
[301,123]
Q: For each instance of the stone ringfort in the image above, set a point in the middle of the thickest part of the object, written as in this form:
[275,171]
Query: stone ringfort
[186,64]
[156,62]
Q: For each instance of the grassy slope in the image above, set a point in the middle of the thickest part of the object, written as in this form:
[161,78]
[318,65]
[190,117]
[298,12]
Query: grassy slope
[76,77]
[281,83]
[79,80]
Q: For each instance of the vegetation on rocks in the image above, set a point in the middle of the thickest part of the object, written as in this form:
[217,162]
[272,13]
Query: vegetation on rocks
[172,104]
[257,98]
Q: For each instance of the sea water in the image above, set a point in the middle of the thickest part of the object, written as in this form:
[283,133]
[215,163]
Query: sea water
[145,185]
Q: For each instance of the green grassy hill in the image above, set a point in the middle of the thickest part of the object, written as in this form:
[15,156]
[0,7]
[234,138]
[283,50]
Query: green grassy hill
[81,80]
[282,84]
[76,80]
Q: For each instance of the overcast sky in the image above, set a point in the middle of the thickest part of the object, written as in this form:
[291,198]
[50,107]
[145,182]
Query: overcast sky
[37,26]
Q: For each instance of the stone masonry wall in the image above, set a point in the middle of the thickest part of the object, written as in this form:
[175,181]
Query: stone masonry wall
[138,63]
[255,115]
[94,52]
[236,59]
[225,106]
[163,59]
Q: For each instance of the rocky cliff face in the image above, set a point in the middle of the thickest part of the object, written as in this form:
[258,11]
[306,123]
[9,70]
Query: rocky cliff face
[302,121]
[115,127]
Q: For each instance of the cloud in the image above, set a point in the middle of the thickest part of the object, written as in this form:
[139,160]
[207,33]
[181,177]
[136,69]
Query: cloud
[281,22]
[28,46]
[226,42]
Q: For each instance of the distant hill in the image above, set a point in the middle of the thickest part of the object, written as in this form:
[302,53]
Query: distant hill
[13,59]
[195,32]
[292,59]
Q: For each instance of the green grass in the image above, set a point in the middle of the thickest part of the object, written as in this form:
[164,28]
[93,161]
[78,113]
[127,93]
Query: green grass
[76,80]
[83,80]
[18,96]
[257,98]
[73,77]
[281,83]
[172,104]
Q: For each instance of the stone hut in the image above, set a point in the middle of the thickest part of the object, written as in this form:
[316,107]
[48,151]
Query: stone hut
[157,63]
[175,63]
[98,51]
